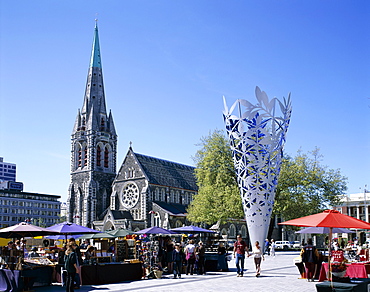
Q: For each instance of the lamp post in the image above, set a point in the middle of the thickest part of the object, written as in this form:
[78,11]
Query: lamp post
[365,205]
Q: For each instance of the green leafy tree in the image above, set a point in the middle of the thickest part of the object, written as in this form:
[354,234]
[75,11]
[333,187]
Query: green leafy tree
[306,186]
[218,195]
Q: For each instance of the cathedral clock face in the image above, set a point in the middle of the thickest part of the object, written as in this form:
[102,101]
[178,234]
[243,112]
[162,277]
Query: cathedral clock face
[130,195]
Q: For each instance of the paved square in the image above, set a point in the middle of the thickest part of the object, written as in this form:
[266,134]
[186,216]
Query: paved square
[279,274]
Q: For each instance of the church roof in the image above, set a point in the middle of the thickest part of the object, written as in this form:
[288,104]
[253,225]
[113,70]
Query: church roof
[168,173]
[116,214]
[171,208]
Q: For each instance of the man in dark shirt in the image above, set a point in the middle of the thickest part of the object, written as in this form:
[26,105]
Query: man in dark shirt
[309,256]
[200,252]
[79,262]
[240,247]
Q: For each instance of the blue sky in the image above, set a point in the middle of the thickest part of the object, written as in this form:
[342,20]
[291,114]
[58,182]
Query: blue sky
[166,66]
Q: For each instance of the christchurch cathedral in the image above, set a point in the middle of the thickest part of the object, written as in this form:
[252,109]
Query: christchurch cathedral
[146,191]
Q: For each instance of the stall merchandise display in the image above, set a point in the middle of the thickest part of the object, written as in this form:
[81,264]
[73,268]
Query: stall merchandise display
[149,255]
[131,244]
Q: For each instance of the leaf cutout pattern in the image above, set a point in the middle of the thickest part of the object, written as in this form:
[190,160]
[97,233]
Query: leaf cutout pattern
[257,134]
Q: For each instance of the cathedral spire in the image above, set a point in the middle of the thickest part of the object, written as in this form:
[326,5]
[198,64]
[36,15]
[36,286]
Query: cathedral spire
[94,93]
[95,53]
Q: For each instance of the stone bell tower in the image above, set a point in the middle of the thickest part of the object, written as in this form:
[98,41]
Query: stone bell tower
[93,149]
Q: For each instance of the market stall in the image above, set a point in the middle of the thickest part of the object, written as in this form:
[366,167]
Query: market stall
[18,273]
[354,270]
[115,258]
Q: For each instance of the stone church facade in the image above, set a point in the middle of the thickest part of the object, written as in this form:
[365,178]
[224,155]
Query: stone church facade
[153,191]
[146,191]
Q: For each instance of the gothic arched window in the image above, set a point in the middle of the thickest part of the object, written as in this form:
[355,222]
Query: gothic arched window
[83,124]
[98,156]
[106,157]
[85,155]
[156,194]
[79,156]
[243,231]
[102,124]
[157,220]
[232,230]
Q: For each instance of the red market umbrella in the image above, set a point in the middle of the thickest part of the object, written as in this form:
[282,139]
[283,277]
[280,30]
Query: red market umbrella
[328,218]
[331,219]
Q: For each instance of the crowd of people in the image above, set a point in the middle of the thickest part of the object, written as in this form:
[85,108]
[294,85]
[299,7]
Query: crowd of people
[188,258]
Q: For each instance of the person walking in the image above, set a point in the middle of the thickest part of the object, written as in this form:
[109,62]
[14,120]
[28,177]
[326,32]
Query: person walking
[240,247]
[190,257]
[79,262]
[70,265]
[310,257]
[221,260]
[258,256]
[272,248]
[177,258]
[267,247]
[169,250]
[200,255]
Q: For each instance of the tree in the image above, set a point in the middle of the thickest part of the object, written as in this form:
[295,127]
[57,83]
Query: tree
[305,186]
[218,195]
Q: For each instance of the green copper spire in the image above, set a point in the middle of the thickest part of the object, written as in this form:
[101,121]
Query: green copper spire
[95,53]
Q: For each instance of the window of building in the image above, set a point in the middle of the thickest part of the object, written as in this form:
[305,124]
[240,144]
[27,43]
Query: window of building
[172,197]
[243,231]
[85,155]
[232,230]
[106,157]
[157,220]
[98,156]
[102,124]
[163,195]
[79,156]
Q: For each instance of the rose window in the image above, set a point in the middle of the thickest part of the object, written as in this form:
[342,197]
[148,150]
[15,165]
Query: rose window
[130,195]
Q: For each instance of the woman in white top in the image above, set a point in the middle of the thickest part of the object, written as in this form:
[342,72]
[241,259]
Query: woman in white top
[258,256]
[272,248]
[190,257]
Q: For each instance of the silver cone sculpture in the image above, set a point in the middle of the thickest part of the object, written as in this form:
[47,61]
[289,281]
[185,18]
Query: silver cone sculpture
[257,136]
